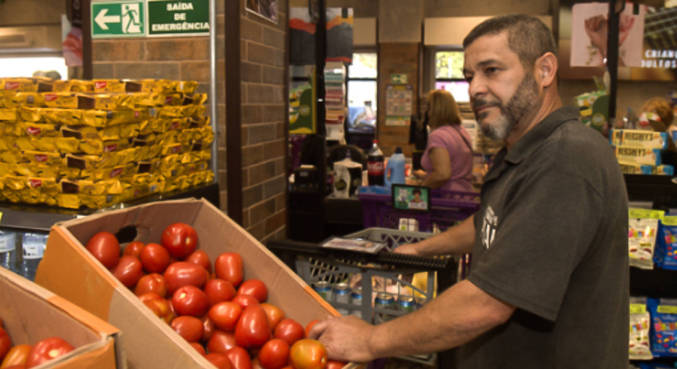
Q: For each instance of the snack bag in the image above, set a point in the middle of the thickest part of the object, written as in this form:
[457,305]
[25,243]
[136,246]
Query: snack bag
[664,324]
[665,255]
[642,232]
[640,321]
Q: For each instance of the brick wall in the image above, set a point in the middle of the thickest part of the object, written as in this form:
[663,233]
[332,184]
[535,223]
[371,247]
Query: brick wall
[263,124]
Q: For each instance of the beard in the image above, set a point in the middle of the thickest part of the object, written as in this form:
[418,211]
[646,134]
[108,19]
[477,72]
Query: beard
[520,104]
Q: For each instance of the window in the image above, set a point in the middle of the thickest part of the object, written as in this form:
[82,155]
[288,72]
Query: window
[26,66]
[362,91]
[449,74]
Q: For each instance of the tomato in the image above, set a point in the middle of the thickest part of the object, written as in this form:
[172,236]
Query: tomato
[134,248]
[221,342]
[46,350]
[151,283]
[128,271]
[181,274]
[228,266]
[239,358]
[5,343]
[245,300]
[17,355]
[219,360]
[180,239]
[154,258]
[289,330]
[18,366]
[207,328]
[105,248]
[225,315]
[190,300]
[200,258]
[273,313]
[309,326]
[274,354]
[333,364]
[158,305]
[308,354]
[199,348]
[188,327]
[256,364]
[254,288]
[218,290]
[252,328]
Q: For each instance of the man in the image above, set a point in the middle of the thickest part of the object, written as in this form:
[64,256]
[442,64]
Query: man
[548,284]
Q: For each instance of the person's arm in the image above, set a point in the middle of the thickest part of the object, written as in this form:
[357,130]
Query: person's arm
[455,317]
[458,239]
[441,164]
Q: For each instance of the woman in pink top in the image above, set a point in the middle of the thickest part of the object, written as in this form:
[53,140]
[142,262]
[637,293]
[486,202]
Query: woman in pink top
[447,160]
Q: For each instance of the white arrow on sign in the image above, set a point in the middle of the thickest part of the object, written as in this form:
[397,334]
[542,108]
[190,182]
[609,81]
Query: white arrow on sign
[101,19]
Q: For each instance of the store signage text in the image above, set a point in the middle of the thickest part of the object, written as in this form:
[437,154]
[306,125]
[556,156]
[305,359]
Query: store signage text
[656,58]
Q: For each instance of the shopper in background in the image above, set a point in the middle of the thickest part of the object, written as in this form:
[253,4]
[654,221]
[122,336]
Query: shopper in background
[447,159]
[662,109]
[548,284]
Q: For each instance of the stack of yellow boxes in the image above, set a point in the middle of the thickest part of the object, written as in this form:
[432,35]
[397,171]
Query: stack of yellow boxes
[97,143]
[639,151]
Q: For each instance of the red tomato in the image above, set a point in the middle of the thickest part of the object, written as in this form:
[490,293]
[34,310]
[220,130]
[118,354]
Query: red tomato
[46,350]
[188,327]
[252,328]
[181,274]
[219,360]
[17,355]
[273,313]
[128,271]
[245,300]
[199,348]
[289,330]
[333,364]
[228,266]
[105,248]
[134,248]
[274,354]
[207,328]
[239,358]
[5,343]
[200,258]
[225,315]
[180,239]
[308,354]
[190,300]
[309,326]
[151,283]
[18,366]
[218,290]
[158,305]
[254,288]
[154,258]
[221,342]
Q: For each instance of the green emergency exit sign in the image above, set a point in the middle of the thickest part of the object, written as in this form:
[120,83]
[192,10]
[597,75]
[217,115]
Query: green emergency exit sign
[118,19]
[188,17]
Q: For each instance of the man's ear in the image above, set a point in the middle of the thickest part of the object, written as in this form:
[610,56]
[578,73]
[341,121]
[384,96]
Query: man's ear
[546,69]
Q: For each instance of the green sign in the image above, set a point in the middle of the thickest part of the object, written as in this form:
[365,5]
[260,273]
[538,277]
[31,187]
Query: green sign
[118,19]
[187,17]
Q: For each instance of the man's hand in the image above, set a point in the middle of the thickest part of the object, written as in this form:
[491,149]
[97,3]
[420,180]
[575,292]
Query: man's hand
[345,338]
[408,249]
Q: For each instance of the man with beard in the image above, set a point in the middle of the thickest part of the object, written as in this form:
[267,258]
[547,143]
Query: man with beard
[548,284]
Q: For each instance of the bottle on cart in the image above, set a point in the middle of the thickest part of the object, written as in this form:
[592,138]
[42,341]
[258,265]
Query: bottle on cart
[394,173]
[8,250]
[375,167]
[33,246]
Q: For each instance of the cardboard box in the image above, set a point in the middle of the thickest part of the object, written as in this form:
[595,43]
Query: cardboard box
[69,270]
[31,313]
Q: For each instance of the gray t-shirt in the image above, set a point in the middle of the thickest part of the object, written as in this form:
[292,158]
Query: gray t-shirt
[552,241]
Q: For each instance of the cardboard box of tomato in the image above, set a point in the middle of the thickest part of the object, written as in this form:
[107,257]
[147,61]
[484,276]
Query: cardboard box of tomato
[70,270]
[31,314]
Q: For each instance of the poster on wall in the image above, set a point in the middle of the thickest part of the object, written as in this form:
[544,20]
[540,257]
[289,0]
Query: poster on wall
[267,9]
[647,42]
[302,107]
[399,99]
[302,35]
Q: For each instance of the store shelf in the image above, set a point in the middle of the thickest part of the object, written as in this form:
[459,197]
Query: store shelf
[661,190]
[41,218]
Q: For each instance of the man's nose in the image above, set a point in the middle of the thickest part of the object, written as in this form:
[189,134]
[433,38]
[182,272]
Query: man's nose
[476,87]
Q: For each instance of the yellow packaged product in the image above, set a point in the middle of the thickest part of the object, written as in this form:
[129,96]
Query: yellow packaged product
[6,169]
[6,100]
[89,187]
[8,114]
[173,149]
[68,201]
[73,85]
[99,147]
[29,99]
[98,201]
[43,158]
[638,155]
[45,144]
[18,84]
[108,85]
[195,98]
[34,129]
[109,159]
[11,157]
[102,118]
[145,99]
[91,133]
[112,101]
[67,145]
[65,100]
[187,87]
[36,170]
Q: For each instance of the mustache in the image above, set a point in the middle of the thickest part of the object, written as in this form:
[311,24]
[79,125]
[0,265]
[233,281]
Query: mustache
[483,103]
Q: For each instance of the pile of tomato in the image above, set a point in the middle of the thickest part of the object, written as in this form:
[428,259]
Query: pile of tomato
[25,356]
[224,317]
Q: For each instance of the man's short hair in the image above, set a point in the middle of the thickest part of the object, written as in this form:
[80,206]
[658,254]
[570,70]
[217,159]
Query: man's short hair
[528,36]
